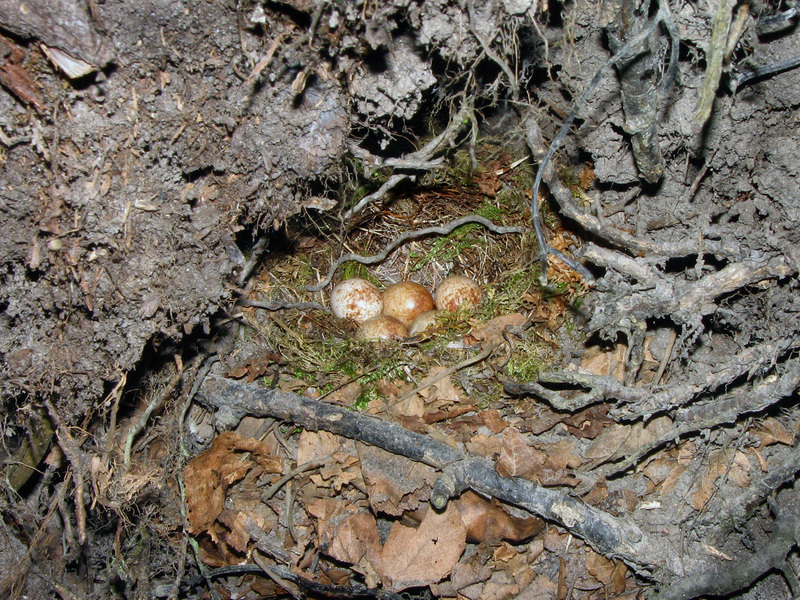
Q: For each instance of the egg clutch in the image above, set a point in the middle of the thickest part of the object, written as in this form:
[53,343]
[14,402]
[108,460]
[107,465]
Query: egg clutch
[403,309]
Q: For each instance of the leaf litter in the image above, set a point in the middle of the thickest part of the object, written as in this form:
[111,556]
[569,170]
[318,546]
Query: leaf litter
[345,512]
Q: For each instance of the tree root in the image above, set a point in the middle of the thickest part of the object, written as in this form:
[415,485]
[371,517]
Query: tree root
[728,577]
[644,402]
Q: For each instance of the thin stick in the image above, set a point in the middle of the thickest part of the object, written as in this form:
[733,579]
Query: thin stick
[309,466]
[446,373]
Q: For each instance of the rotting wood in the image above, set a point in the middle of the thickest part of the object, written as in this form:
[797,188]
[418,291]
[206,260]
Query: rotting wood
[612,536]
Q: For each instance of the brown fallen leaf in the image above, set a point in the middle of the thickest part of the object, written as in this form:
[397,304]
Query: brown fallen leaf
[418,557]
[717,466]
[493,420]
[608,572]
[489,520]
[492,331]
[620,440]
[541,589]
[599,362]
[208,476]
[560,456]
[394,483]
[517,459]
[346,533]
[772,431]
[589,422]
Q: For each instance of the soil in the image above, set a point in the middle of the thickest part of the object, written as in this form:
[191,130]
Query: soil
[225,153]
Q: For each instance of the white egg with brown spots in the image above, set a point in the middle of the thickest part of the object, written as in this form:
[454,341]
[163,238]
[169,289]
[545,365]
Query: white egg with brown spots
[457,291]
[356,299]
[406,300]
[430,319]
[382,327]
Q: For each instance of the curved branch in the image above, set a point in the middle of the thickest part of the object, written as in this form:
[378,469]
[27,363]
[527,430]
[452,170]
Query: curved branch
[410,235]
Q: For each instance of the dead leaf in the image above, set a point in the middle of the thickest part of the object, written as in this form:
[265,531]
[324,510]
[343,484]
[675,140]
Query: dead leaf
[320,445]
[621,440]
[485,445]
[739,473]
[345,396]
[466,572]
[541,589]
[337,472]
[346,533]
[394,483]
[439,393]
[772,431]
[762,462]
[563,588]
[419,557]
[492,331]
[608,572]
[500,586]
[589,422]
[208,476]
[599,362]
[560,456]
[238,539]
[493,420]
[717,465]
[489,520]
[517,459]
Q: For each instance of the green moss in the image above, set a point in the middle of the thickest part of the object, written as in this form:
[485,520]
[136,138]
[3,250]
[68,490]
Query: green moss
[528,360]
[351,269]
[448,248]
[507,296]
[367,396]
[491,211]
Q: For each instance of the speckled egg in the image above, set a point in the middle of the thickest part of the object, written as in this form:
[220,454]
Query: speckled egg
[356,299]
[382,327]
[425,321]
[457,291]
[406,300]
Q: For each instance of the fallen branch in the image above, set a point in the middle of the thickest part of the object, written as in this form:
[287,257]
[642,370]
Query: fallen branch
[612,536]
